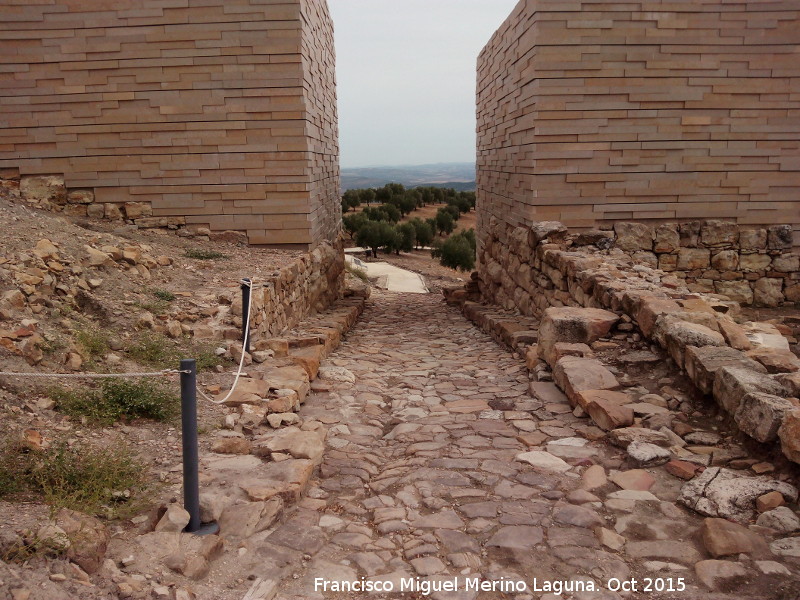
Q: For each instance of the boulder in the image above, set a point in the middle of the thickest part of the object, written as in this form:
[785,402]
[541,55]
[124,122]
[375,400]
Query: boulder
[644,454]
[243,520]
[175,519]
[731,384]
[574,374]
[88,539]
[751,239]
[733,334]
[572,325]
[724,493]
[781,519]
[724,538]
[702,364]
[608,415]
[789,433]
[761,415]
[791,382]
[776,360]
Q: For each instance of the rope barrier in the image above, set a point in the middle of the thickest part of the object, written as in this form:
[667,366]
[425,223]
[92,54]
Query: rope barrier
[164,373]
[249,284]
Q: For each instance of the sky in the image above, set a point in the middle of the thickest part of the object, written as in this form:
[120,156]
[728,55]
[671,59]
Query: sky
[405,73]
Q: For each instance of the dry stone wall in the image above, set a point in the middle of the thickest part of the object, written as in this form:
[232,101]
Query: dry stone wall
[573,280]
[592,112]
[219,115]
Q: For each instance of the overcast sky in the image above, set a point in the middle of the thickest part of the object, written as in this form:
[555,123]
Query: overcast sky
[406,77]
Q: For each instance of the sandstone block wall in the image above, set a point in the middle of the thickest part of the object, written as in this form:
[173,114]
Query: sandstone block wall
[591,112]
[218,114]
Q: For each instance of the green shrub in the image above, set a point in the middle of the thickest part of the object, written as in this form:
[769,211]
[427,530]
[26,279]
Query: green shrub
[457,251]
[164,295]
[204,254]
[158,350]
[117,399]
[94,342]
[110,482]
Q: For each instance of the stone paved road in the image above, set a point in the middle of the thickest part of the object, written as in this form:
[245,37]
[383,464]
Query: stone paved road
[421,481]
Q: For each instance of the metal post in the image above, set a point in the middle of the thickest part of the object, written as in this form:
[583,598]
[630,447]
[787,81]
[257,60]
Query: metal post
[246,294]
[191,477]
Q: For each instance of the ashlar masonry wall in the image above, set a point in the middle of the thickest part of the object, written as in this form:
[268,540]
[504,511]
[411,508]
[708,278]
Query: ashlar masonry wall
[591,112]
[218,114]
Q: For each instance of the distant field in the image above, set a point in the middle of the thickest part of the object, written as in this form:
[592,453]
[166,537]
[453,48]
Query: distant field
[460,176]
[467,221]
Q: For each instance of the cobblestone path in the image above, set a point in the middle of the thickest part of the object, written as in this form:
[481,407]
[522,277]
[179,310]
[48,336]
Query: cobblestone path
[421,482]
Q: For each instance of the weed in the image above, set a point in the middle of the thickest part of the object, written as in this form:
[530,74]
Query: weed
[159,351]
[103,481]
[204,254]
[93,341]
[355,271]
[156,350]
[117,399]
[164,295]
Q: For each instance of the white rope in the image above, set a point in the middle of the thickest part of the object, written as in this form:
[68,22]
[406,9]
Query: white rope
[241,361]
[163,373]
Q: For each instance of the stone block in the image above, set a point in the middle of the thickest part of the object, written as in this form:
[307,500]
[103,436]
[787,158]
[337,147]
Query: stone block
[634,236]
[752,239]
[789,434]
[768,292]
[648,310]
[724,538]
[572,325]
[719,234]
[667,239]
[608,415]
[702,363]
[776,360]
[738,291]
[680,334]
[731,384]
[725,260]
[575,374]
[754,262]
[690,259]
[761,415]
[786,263]
[779,237]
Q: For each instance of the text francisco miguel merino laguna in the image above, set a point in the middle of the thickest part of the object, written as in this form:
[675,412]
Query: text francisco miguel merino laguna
[455,584]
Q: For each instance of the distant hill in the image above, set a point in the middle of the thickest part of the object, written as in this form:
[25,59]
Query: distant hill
[460,176]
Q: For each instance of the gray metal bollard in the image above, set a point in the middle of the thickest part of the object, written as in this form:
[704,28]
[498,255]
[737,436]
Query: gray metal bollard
[191,477]
[246,295]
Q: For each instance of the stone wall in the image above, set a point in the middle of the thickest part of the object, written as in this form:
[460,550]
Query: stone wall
[592,112]
[312,283]
[748,368]
[220,114]
[519,270]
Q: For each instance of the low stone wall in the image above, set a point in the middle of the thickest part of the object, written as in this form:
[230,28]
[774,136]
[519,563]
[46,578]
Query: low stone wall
[311,284]
[750,265]
[750,372]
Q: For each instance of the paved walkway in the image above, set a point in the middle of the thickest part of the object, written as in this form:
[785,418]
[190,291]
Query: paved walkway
[421,480]
[391,278]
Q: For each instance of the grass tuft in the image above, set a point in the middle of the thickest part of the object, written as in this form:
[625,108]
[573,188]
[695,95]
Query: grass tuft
[157,350]
[110,482]
[164,295]
[118,399]
[356,272]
